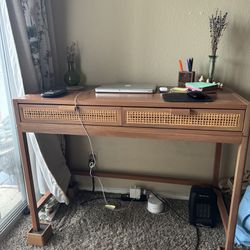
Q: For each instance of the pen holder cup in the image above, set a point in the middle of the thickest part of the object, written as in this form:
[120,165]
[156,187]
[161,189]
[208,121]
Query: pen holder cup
[185,76]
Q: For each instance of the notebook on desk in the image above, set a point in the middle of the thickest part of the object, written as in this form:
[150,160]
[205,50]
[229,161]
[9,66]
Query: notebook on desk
[127,88]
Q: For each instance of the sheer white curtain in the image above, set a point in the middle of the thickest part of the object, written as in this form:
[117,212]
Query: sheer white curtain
[12,192]
[33,71]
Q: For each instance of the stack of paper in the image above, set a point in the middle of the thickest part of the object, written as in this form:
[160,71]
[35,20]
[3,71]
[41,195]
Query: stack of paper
[178,90]
[202,86]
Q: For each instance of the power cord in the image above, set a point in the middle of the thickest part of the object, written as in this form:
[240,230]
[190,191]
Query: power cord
[166,202]
[92,178]
[93,184]
[92,163]
[112,198]
[97,198]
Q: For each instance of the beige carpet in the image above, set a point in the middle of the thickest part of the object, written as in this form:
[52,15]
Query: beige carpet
[86,224]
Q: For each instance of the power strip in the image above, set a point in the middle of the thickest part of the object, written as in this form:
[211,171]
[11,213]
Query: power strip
[126,197]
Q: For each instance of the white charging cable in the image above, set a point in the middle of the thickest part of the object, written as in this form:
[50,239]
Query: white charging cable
[92,164]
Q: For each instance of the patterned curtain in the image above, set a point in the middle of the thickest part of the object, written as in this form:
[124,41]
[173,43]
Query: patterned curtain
[38,35]
[34,41]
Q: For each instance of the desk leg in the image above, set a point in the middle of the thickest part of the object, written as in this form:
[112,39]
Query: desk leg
[217,161]
[238,175]
[29,181]
[40,233]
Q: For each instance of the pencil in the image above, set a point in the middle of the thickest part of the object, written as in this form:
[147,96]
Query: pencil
[180,64]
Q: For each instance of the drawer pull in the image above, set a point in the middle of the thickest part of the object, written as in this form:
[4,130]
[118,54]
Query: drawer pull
[180,111]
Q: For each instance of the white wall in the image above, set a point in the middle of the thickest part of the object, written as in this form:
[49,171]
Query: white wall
[141,41]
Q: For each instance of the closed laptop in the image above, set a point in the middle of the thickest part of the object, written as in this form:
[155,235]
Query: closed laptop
[126,88]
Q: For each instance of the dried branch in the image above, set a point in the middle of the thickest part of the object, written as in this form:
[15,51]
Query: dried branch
[218,24]
[70,50]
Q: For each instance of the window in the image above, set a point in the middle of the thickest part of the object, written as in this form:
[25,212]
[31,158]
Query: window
[12,191]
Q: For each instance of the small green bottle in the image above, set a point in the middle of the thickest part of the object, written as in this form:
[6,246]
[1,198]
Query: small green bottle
[71,77]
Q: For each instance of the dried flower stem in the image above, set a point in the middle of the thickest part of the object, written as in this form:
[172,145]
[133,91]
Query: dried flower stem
[217,25]
[70,50]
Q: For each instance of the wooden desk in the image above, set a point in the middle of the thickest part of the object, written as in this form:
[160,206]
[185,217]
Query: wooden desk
[226,120]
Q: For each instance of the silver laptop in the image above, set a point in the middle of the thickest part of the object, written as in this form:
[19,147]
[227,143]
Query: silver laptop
[126,88]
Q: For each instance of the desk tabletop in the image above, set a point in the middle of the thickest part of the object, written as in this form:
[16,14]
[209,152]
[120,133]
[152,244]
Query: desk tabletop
[226,99]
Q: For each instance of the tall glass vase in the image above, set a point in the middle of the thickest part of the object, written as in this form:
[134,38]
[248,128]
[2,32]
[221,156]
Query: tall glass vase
[71,77]
[212,60]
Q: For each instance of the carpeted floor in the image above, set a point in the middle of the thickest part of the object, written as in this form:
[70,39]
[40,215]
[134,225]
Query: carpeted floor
[86,224]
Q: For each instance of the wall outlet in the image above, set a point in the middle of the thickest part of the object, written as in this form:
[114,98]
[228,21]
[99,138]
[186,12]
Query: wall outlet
[135,193]
[91,159]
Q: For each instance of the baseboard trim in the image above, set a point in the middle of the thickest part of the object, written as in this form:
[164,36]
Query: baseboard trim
[125,190]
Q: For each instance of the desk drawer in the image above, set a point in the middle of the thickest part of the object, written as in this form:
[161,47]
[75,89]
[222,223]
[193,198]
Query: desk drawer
[66,114]
[207,119]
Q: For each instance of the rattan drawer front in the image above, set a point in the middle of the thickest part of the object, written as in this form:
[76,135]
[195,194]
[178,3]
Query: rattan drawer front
[195,118]
[66,114]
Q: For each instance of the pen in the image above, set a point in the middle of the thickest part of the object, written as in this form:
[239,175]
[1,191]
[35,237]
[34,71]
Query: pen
[188,65]
[191,63]
[180,64]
